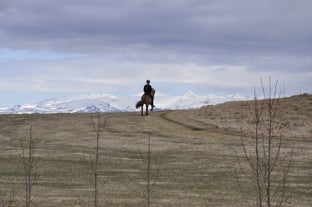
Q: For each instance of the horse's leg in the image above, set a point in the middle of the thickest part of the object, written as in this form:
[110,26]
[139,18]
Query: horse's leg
[146,109]
[142,109]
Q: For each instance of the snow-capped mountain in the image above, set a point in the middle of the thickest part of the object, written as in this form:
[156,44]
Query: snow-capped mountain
[189,100]
[73,104]
[3,109]
[109,103]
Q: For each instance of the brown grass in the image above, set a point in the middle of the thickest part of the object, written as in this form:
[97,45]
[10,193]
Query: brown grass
[195,151]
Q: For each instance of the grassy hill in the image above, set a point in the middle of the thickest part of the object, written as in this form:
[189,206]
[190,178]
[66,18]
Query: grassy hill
[194,155]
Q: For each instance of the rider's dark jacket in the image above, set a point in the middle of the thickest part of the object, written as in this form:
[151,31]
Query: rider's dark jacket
[147,89]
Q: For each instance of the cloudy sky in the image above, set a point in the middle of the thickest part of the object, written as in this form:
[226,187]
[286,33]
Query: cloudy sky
[61,47]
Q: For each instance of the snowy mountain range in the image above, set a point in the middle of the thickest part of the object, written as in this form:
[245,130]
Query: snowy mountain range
[98,102]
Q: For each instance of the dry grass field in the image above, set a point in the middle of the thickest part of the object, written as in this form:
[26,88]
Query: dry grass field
[194,155]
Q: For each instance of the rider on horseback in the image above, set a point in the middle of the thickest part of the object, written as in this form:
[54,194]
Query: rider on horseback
[148,90]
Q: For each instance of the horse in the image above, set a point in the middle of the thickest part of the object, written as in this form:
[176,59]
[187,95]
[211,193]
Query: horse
[147,100]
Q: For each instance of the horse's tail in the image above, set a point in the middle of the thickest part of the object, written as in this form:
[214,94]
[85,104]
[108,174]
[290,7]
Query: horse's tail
[139,104]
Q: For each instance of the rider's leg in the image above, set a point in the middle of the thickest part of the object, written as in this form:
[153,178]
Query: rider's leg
[152,97]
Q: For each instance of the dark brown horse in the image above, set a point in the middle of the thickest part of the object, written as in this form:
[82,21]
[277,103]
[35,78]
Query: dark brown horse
[147,100]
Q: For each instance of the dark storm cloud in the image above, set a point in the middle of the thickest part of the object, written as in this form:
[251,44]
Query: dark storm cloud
[243,27]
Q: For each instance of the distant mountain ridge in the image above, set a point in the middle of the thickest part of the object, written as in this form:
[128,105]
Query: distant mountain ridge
[98,102]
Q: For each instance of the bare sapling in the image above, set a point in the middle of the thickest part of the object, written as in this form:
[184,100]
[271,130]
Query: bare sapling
[150,177]
[263,150]
[30,165]
[98,128]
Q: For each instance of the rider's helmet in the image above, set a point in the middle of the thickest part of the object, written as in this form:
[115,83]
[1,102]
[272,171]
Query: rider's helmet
[148,81]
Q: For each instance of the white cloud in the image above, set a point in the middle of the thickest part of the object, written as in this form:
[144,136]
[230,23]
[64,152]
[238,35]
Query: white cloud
[114,46]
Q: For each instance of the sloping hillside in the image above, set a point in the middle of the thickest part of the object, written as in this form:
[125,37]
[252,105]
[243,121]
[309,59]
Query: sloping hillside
[293,113]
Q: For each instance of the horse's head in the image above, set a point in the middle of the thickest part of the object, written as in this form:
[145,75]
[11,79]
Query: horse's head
[153,91]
